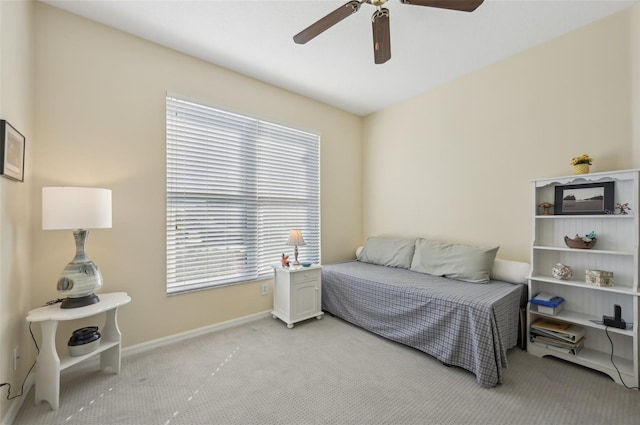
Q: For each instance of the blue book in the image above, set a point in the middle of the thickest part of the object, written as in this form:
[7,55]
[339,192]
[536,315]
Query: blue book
[546,300]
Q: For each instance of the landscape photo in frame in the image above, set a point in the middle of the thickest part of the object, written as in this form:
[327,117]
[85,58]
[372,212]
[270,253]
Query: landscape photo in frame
[585,199]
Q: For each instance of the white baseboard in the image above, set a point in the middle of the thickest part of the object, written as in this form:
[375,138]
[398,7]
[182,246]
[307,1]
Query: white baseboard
[11,414]
[153,344]
[150,345]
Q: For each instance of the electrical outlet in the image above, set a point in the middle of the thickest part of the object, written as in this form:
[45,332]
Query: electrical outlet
[265,289]
[16,356]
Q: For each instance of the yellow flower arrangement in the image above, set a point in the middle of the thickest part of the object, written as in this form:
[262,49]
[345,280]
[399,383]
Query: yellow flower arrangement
[582,159]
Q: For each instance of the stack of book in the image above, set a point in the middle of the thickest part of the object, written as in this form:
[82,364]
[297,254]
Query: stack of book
[547,304]
[558,336]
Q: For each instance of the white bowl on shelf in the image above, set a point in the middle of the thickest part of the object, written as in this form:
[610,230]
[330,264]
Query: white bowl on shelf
[84,341]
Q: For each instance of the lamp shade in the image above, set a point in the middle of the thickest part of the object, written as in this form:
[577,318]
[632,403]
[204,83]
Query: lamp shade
[295,238]
[76,208]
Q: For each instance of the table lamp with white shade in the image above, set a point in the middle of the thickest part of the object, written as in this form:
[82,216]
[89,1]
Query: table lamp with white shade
[78,209]
[296,240]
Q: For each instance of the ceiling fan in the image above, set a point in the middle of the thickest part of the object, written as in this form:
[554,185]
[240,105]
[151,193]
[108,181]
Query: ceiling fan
[379,20]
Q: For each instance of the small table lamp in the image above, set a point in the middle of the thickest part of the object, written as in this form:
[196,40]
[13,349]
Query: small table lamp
[295,239]
[77,209]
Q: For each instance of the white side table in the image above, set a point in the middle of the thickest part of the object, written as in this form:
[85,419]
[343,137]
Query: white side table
[297,293]
[49,364]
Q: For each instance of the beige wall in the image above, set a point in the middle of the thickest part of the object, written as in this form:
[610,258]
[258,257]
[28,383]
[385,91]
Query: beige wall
[634,53]
[455,163]
[16,106]
[100,121]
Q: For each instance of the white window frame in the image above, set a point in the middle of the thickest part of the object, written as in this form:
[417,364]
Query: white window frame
[235,187]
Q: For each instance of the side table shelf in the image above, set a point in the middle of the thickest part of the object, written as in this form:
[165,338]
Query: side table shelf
[66,361]
[50,363]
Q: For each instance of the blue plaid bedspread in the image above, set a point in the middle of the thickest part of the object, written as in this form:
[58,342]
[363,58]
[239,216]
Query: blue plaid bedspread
[470,325]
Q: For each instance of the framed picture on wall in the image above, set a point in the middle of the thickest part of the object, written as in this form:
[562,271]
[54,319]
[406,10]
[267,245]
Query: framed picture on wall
[11,152]
[585,199]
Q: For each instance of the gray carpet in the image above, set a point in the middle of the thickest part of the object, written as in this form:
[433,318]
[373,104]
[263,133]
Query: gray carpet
[326,372]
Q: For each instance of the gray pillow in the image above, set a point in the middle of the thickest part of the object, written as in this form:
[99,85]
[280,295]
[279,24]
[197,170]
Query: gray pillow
[456,261]
[388,251]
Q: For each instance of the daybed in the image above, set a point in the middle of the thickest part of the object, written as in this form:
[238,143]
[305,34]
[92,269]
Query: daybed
[448,300]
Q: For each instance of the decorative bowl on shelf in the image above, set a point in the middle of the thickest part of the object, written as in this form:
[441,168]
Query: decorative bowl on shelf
[84,341]
[305,264]
[580,243]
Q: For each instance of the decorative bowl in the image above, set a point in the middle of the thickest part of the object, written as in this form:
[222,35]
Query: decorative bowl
[81,350]
[579,243]
[305,264]
[84,341]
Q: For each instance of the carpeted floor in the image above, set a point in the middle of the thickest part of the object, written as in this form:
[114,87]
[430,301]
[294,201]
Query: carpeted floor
[326,372]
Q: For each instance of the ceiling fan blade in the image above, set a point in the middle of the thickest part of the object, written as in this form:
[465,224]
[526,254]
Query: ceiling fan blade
[327,22]
[381,36]
[462,5]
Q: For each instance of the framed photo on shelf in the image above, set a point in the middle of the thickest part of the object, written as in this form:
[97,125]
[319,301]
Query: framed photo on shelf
[12,144]
[585,199]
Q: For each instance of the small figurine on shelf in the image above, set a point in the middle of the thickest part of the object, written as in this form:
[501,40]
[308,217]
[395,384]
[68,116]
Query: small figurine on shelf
[545,208]
[623,208]
[285,261]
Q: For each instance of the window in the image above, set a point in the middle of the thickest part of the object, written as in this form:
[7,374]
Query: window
[235,186]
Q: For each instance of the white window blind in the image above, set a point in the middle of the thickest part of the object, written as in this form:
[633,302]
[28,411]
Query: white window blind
[235,186]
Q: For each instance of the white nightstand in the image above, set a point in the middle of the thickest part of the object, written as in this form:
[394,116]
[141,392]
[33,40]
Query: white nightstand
[50,363]
[297,294]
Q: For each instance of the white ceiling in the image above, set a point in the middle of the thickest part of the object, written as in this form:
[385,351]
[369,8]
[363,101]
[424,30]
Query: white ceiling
[429,47]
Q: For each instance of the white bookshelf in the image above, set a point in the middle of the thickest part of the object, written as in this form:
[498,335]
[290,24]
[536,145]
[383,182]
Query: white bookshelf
[616,251]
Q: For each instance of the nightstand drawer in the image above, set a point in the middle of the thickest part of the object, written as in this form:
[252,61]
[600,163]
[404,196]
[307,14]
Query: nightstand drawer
[305,275]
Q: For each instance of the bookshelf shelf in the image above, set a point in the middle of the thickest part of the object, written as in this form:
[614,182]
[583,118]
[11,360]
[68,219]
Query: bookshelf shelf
[593,359]
[585,251]
[585,217]
[584,320]
[581,284]
[616,251]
